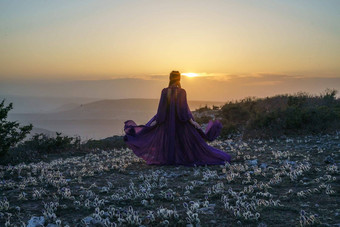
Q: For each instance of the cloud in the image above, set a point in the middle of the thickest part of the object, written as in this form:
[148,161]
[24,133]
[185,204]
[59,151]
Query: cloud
[158,77]
[264,83]
[216,87]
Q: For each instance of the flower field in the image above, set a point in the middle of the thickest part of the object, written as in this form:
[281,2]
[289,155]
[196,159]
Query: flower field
[279,182]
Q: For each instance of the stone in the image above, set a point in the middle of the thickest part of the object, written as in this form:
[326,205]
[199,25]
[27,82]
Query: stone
[89,220]
[293,163]
[206,210]
[36,221]
[263,165]
[252,162]
[51,225]
[329,160]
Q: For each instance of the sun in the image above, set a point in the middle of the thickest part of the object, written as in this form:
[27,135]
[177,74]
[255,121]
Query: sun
[190,74]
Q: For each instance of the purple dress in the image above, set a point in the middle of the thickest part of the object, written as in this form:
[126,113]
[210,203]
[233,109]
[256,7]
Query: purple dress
[174,140]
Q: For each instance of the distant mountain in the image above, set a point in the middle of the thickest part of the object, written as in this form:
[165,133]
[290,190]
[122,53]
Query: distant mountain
[99,119]
[36,130]
[65,107]
[38,104]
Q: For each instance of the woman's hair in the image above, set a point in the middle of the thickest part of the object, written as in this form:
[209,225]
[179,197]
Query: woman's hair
[175,78]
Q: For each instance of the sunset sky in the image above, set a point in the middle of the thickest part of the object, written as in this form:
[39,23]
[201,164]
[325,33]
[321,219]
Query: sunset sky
[264,47]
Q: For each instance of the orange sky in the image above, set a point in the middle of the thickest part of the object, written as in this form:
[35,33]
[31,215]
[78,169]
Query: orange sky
[89,40]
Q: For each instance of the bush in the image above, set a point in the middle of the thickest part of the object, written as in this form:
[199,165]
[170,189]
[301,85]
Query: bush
[203,119]
[36,148]
[202,109]
[114,142]
[215,107]
[10,131]
[279,115]
[228,129]
[329,96]
[45,144]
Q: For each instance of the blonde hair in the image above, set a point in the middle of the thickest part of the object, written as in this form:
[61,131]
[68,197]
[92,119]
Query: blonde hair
[175,78]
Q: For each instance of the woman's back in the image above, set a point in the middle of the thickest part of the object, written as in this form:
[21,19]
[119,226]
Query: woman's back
[173,101]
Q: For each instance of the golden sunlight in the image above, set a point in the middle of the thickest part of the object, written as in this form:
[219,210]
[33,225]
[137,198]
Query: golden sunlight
[190,74]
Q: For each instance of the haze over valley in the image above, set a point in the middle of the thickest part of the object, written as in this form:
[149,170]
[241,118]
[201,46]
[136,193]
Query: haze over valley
[96,119]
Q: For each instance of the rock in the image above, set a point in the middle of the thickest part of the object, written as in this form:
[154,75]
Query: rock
[262,225]
[289,162]
[252,162]
[91,221]
[172,175]
[36,221]
[206,210]
[51,225]
[88,220]
[106,214]
[329,160]
[263,165]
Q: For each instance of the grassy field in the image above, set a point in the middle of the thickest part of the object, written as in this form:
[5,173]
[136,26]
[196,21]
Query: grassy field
[283,182]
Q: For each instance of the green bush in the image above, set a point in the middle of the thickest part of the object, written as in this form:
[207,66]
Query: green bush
[300,113]
[114,142]
[45,144]
[228,129]
[10,131]
[203,119]
[202,109]
[215,107]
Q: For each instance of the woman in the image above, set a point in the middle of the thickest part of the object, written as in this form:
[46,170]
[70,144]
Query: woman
[172,137]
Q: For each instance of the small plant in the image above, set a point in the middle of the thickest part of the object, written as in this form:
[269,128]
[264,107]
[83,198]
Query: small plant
[10,131]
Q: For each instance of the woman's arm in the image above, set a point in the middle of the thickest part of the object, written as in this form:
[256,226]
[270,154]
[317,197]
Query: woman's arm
[162,107]
[183,111]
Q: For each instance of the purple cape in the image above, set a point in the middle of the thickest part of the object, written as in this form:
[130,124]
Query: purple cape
[174,140]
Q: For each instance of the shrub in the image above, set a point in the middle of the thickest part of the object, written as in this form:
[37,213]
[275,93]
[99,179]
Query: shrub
[114,142]
[202,109]
[215,107]
[10,131]
[203,119]
[45,144]
[228,129]
[300,113]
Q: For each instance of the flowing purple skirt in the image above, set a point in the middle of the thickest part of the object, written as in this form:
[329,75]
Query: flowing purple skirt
[174,140]
[187,147]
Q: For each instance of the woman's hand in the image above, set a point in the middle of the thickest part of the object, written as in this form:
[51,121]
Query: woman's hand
[153,123]
[195,124]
